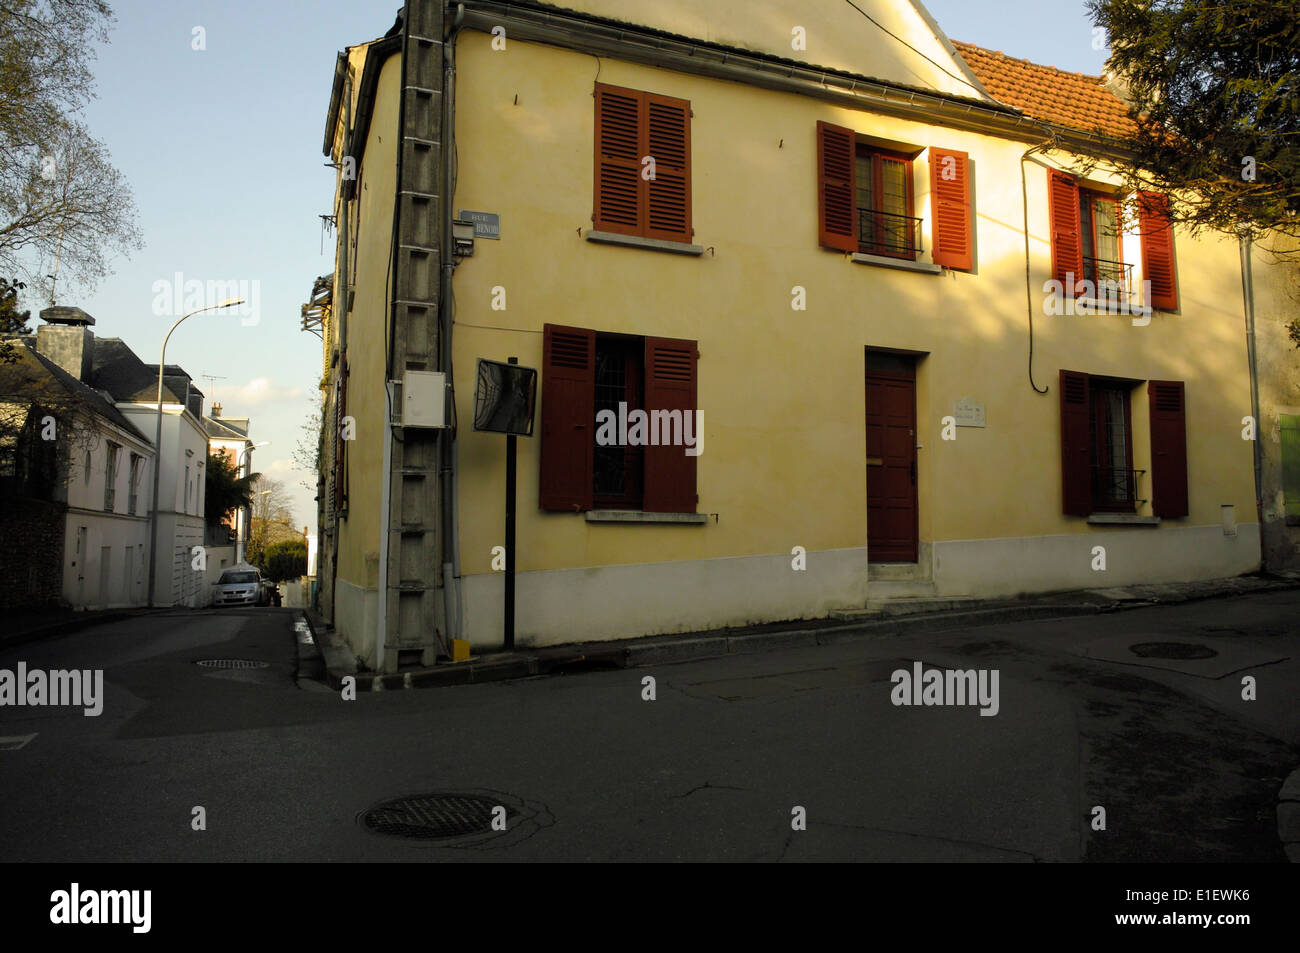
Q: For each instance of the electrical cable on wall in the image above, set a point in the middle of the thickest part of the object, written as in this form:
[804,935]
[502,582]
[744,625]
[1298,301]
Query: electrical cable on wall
[940,66]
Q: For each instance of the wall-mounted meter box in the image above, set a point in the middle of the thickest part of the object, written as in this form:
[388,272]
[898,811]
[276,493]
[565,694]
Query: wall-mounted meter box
[424,399]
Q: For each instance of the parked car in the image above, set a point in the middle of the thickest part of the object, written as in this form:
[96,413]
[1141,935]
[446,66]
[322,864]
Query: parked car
[242,586]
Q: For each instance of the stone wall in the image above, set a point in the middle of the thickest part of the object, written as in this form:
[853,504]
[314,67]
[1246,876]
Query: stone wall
[31,556]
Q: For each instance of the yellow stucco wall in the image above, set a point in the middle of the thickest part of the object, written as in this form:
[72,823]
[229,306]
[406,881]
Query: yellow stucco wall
[360,532]
[782,391]
[831,34]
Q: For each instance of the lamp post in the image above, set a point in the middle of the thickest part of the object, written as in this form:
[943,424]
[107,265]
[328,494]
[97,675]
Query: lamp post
[157,444]
[248,511]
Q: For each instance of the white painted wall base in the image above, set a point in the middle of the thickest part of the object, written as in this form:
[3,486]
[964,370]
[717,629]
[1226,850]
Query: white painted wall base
[356,618]
[1135,555]
[618,602]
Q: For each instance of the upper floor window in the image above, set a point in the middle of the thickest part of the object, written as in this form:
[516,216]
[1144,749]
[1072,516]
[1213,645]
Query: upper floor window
[865,200]
[133,484]
[1103,258]
[883,183]
[110,476]
[1087,243]
[643,164]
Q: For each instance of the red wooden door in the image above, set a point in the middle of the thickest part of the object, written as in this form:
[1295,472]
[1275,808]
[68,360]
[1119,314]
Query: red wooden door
[891,466]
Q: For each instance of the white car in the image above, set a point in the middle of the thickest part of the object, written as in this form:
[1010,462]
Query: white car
[239,587]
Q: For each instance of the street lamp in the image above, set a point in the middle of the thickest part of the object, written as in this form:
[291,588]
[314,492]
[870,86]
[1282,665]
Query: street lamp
[157,443]
[242,544]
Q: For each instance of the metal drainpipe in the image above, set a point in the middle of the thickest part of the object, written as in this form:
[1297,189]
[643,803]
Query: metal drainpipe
[1248,300]
[450,496]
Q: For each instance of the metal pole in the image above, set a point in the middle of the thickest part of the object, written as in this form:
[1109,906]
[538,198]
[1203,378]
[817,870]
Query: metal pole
[510,536]
[1248,299]
[157,445]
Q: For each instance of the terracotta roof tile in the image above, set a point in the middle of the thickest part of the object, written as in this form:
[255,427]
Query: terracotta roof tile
[1073,100]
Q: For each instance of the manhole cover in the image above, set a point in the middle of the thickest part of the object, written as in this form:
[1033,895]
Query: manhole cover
[231,663]
[433,816]
[1172,650]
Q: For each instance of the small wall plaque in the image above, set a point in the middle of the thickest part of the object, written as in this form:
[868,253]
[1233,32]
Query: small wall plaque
[969,412]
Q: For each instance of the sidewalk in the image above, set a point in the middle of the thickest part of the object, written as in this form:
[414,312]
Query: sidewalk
[889,619]
[20,627]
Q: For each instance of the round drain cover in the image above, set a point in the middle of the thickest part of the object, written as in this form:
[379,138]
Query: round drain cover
[1172,650]
[433,816]
[231,663]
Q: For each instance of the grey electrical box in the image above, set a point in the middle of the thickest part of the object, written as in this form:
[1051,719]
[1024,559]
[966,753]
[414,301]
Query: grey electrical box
[462,234]
[424,399]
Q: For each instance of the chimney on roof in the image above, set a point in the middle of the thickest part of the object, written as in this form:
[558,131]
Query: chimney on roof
[66,339]
[216,409]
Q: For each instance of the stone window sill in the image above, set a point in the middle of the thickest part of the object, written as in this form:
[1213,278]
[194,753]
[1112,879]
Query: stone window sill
[1111,306]
[1123,519]
[902,264]
[640,516]
[637,241]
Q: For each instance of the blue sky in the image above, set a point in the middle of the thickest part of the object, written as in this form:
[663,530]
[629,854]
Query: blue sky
[221,147]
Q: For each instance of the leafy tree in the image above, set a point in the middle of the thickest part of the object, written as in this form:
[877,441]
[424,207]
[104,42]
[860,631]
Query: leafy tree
[60,197]
[286,560]
[272,518]
[227,491]
[12,320]
[1215,92]
[306,452]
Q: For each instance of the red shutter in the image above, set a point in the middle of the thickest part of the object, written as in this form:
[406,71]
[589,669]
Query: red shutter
[950,199]
[837,225]
[340,445]
[670,384]
[1168,448]
[1067,238]
[668,142]
[568,417]
[619,137]
[1158,250]
[1076,445]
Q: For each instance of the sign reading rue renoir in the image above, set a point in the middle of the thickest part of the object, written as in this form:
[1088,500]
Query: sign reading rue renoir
[969,412]
[486,224]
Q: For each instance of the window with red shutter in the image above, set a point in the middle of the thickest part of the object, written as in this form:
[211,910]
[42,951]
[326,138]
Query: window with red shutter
[1067,240]
[635,196]
[1168,448]
[670,386]
[568,417]
[585,373]
[1158,250]
[954,245]
[1076,444]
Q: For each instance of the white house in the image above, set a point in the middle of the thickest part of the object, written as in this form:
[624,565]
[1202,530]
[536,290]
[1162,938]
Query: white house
[107,466]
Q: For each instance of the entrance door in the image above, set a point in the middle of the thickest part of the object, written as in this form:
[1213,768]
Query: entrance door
[891,459]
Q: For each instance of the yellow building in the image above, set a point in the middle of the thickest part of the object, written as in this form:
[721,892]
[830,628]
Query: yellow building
[920,345]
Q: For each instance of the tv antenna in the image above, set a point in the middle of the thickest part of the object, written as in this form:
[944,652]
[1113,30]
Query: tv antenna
[213,378]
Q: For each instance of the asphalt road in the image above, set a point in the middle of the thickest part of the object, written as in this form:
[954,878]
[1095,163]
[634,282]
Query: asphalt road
[712,769]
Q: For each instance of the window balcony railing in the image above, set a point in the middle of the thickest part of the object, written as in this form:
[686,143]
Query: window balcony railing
[1110,279]
[1115,488]
[884,233]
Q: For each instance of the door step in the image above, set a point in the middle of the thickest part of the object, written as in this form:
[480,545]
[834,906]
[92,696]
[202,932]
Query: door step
[902,607]
[889,590]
